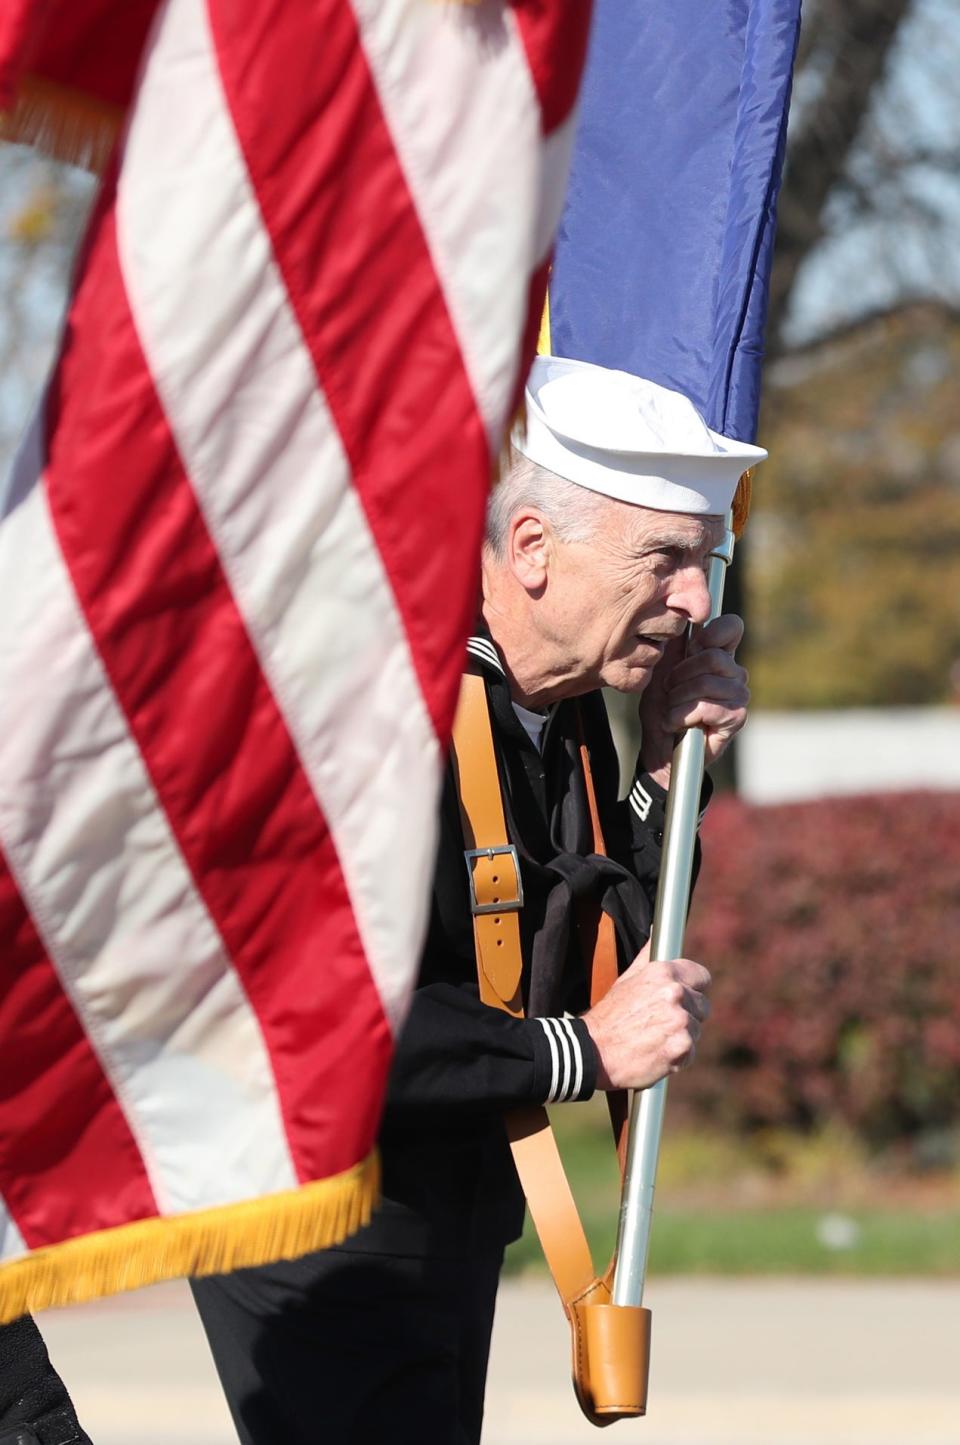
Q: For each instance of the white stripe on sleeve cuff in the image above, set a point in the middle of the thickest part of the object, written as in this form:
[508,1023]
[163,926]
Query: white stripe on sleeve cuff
[566,1056]
[554,1058]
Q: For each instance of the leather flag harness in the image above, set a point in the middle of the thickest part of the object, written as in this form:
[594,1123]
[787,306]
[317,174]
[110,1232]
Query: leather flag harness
[610,1343]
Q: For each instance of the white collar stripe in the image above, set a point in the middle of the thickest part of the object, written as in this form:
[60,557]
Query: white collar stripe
[641,802]
[480,648]
[479,645]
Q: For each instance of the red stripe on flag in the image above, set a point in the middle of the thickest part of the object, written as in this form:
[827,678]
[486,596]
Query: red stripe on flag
[213,739]
[352,254]
[90,46]
[555,34]
[19,26]
[59,1117]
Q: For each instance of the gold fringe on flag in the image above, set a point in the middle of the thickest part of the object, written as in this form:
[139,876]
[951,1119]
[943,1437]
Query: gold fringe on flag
[207,1241]
[66,124]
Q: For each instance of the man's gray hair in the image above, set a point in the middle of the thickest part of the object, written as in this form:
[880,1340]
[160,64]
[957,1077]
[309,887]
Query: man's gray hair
[573,511]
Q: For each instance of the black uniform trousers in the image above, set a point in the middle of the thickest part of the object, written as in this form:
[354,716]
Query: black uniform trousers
[35,1408]
[353,1348]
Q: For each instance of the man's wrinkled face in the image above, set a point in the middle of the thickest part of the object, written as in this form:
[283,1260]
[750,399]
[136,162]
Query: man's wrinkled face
[617,599]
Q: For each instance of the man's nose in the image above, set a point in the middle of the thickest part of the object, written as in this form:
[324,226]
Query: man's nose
[691,594]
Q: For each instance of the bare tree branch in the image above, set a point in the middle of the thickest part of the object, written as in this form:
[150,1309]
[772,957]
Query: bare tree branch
[854,327]
[851,48]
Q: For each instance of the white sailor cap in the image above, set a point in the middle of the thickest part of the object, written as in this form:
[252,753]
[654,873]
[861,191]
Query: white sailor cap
[630,438]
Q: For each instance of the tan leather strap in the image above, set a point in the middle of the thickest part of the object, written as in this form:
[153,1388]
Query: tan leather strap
[610,1344]
[491,861]
[603,973]
[499,970]
[553,1208]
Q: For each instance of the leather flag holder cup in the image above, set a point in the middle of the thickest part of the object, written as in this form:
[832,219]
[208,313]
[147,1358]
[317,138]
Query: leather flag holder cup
[610,1343]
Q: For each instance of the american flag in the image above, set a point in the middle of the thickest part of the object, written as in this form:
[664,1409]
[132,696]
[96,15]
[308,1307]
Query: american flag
[238,561]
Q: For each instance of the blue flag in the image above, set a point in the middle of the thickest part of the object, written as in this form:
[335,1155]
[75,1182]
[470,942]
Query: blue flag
[662,264]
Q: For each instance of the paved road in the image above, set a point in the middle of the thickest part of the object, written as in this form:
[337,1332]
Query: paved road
[735,1363]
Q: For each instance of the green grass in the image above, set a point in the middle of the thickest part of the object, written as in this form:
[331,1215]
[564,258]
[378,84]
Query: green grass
[779,1241]
[701,1227]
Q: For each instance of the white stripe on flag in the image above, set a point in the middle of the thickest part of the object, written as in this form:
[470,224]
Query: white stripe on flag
[274,485]
[132,942]
[458,96]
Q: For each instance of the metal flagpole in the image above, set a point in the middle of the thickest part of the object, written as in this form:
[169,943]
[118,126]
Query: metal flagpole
[669,922]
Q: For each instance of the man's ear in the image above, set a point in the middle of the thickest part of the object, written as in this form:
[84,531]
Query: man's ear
[529,547]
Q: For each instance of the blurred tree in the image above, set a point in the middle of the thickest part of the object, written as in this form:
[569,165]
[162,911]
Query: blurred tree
[854,565]
[870,205]
[847,603]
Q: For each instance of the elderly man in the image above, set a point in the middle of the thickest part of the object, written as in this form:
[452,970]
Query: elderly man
[593,567]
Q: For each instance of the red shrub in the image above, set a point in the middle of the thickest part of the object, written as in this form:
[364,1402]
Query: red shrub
[832,930]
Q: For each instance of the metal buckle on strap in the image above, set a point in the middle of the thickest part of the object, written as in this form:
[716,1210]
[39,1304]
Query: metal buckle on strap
[503,905]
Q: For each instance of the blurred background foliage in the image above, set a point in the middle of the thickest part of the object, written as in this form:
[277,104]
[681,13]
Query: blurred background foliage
[833,931]
[853,558]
